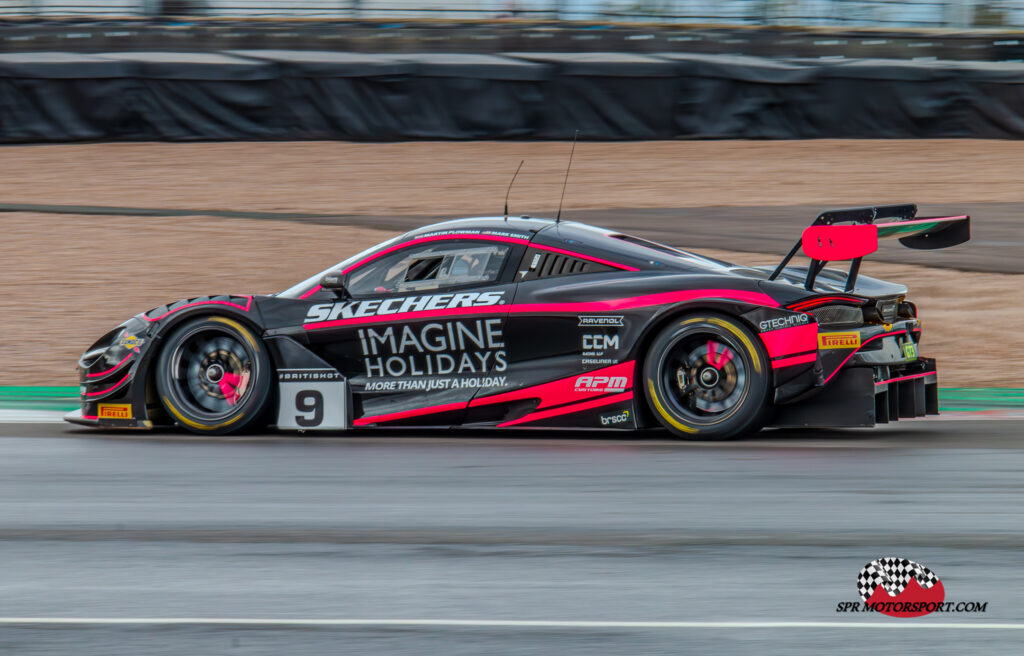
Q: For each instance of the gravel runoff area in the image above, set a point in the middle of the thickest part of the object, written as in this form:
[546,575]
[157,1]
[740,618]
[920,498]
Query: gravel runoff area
[459,179]
[68,279]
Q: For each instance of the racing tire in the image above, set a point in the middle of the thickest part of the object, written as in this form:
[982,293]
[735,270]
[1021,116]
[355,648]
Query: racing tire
[706,376]
[213,376]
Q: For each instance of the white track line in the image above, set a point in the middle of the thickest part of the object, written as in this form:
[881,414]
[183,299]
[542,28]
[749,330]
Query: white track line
[898,623]
[32,416]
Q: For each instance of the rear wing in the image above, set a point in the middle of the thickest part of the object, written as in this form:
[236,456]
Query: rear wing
[850,234]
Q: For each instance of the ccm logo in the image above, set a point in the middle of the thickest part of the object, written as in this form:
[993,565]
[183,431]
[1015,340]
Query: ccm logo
[600,342]
[601,384]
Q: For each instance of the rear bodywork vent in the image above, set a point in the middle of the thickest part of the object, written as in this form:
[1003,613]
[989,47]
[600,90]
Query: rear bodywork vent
[545,264]
[838,315]
[884,310]
[888,309]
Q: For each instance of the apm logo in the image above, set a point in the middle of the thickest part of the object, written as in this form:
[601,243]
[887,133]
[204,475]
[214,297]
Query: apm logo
[601,384]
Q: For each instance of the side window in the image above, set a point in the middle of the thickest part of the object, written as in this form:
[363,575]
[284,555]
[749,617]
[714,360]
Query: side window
[429,267]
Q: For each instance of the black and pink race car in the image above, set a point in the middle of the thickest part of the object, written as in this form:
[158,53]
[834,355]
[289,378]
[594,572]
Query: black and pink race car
[522,323]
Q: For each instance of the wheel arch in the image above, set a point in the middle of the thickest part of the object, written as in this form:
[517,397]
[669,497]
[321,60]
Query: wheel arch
[732,309]
[146,372]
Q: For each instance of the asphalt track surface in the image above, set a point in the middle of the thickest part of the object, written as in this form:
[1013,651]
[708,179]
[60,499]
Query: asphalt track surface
[540,527]
[996,246]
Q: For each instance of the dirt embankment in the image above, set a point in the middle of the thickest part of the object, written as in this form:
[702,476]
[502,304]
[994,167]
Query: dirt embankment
[68,279]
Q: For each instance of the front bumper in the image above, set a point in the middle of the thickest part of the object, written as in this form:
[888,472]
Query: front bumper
[79,417]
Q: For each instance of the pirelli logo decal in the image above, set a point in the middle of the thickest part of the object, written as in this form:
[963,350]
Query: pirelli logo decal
[838,340]
[115,411]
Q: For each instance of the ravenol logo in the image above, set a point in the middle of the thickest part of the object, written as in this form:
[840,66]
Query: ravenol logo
[838,340]
[601,384]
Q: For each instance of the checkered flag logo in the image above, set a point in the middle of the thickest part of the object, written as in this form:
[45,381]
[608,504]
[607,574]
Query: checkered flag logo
[893,574]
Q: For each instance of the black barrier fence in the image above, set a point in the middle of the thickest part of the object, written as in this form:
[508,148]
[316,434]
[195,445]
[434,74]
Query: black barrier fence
[245,95]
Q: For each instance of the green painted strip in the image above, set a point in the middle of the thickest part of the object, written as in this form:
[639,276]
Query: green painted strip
[980,399]
[38,398]
[959,399]
[7,393]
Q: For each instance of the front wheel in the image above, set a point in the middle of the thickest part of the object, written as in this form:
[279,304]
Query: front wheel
[706,377]
[213,376]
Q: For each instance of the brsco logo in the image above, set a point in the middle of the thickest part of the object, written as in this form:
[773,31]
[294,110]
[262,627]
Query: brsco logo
[617,418]
[601,384]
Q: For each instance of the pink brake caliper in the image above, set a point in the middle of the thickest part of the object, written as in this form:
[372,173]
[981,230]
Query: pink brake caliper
[719,359]
[228,384]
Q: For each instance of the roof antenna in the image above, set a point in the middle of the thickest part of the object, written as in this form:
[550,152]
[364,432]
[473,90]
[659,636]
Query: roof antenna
[558,217]
[510,187]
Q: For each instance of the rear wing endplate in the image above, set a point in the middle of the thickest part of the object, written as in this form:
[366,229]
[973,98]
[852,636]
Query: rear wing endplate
[850,234]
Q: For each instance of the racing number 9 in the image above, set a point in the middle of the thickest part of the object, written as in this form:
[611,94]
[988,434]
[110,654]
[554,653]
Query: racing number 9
[307,401]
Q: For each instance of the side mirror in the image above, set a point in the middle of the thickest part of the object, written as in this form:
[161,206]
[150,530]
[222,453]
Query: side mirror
[336,283]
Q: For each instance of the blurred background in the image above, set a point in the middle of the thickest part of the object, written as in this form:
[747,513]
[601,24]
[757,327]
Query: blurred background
[161,149]
[904,13]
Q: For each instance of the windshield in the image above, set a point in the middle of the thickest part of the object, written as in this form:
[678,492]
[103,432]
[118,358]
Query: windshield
[295,291]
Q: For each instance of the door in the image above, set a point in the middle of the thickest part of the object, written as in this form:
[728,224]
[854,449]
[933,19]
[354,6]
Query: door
[423,330]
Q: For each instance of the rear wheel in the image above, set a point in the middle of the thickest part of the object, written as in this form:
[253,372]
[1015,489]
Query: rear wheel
[213,376]
[707,378]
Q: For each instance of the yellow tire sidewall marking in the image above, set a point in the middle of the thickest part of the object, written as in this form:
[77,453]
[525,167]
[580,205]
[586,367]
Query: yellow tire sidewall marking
[664,413]
[743,338]
[240,328]
[193,424]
